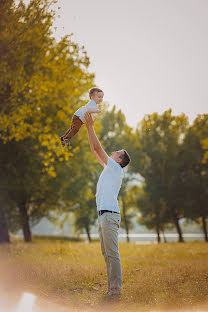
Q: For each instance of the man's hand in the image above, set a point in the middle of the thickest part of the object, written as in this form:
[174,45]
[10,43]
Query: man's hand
[95,145]
[88,120]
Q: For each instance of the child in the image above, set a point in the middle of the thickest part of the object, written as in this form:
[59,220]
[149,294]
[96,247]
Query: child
[96,97]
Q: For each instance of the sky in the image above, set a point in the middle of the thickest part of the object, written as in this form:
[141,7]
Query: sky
[147,55]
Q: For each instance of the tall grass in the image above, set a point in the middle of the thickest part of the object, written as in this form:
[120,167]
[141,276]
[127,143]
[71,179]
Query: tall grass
[157,275]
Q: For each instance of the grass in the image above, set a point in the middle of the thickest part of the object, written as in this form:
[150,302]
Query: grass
[154,276]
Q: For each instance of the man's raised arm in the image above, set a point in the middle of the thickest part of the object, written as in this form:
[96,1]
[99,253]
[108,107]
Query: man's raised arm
[95,144]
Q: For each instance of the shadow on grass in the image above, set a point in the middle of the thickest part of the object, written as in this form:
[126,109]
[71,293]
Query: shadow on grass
[38,237]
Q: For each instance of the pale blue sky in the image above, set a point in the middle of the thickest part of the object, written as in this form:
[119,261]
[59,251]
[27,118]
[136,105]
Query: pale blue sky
[147,55]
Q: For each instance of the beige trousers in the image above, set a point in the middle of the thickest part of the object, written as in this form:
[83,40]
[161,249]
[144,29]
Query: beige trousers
[108,225]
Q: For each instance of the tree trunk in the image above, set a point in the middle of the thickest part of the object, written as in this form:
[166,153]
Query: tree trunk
[158,235]
[125,221]
[204,228]
[178,228]
[164,238]
[88,234]
[25,222]
[4,232]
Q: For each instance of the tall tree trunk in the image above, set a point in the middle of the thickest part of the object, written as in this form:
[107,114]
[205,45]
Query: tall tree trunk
[158,235]
[164,238]
[178,228]
[4,232]
[88,233]
[125,221]
[204,224]
[25,222]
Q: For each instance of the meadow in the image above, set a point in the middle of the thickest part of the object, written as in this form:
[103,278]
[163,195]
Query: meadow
[168,275]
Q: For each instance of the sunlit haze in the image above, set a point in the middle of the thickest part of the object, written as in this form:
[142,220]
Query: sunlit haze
[147,55]
[26,303]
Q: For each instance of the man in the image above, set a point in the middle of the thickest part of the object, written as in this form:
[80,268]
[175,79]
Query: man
[108,187]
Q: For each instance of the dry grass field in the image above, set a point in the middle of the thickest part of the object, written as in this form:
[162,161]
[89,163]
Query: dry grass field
[155,276]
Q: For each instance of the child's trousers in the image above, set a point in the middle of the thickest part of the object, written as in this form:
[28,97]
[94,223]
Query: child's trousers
[76,124]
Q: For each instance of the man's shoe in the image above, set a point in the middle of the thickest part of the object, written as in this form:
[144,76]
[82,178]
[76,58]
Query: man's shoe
[108,297]
[118,296]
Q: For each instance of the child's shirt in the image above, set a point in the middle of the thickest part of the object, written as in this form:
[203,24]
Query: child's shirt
[82,110]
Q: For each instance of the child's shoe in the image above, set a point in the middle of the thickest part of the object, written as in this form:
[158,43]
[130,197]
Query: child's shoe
[62,141]
[67,141]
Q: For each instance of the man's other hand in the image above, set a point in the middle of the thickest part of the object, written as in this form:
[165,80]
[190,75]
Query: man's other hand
[88,120]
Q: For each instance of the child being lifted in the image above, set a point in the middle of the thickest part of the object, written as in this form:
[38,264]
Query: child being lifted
[96,98]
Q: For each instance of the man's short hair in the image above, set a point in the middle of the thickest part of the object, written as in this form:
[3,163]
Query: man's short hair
[125,159]
[94,90]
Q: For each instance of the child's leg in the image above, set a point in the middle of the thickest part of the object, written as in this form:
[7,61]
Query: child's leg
[75,126]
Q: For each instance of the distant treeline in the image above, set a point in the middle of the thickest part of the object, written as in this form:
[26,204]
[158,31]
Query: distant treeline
[42,82]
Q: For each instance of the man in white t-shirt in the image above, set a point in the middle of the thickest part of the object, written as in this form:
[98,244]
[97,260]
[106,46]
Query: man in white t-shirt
[108,187]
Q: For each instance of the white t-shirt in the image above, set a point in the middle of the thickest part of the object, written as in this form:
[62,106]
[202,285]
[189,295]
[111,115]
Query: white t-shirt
[83,109]
[108,186]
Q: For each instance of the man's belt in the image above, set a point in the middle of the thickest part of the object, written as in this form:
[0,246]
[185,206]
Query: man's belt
[100,212]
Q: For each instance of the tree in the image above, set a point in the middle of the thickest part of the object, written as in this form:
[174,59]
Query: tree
[79,187]
[4,231]
[39,81]
[127,199]
[205,148]
[160,137]
[153,212]
[194,172]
